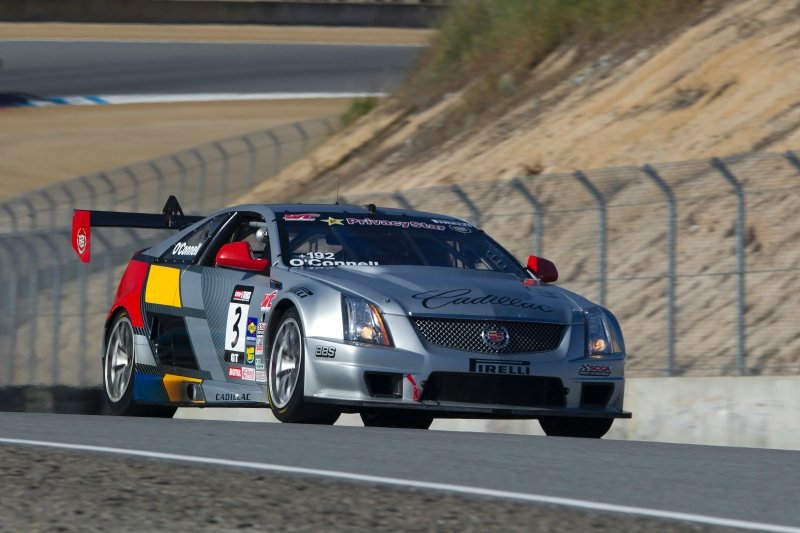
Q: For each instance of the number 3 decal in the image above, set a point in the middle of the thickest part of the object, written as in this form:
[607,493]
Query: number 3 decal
[238,314]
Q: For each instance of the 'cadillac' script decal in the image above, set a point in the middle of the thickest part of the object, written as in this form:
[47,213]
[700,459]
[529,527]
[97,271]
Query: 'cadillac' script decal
[436,299]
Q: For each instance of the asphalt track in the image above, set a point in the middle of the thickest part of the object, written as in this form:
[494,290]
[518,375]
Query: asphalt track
[74,68]
[752,485]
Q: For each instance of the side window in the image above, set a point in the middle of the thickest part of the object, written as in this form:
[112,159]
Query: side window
[186,249]
[247,231]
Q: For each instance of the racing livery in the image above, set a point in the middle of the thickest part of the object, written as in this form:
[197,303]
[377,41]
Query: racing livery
[315,310]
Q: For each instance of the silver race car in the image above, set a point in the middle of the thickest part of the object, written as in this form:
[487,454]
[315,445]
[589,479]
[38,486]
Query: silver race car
[317,310]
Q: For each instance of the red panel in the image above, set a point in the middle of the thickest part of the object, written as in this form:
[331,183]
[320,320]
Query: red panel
[544,269]
[81,234]
[129,292]
[238,255]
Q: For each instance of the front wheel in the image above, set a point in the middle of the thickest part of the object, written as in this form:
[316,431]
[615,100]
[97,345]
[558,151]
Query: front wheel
[119,374]
[585,428]
[396,419]
[286,373]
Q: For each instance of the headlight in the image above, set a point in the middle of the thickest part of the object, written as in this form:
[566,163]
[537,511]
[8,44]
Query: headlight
[600,338]
[363,322]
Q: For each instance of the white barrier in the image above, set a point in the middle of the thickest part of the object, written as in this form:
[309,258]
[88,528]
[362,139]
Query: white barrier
[762,412]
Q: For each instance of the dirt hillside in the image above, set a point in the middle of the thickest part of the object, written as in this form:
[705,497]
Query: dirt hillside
[723,85]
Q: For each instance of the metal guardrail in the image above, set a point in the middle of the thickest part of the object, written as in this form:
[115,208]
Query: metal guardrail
[698,259]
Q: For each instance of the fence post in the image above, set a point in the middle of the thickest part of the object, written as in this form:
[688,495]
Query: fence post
[181,175]
[55,368]
[135,182]
[201,179]
[33,301]
[276,143]
[92,192]
[537,214]
[602,221]
[473,209]
[112,191]
[12,216]
[10,318]
[52,203]
[740,261]
[671,225]
[402,201]
[251,161]
[70,198]
[160,189]
[303,136]
[792,158]
[31,210]
[223,177]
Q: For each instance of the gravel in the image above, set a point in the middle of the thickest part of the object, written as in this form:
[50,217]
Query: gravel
[46,490]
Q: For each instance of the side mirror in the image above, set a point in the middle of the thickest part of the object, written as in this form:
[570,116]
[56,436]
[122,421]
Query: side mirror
[543,269]
[239,256]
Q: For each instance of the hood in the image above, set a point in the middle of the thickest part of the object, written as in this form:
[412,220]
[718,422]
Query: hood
[449,292]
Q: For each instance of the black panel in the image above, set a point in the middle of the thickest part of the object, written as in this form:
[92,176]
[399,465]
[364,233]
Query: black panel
[596,394]
[523,391]
[384,384]
[170,339]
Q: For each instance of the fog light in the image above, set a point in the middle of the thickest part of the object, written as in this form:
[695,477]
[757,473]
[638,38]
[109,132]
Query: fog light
[599,345]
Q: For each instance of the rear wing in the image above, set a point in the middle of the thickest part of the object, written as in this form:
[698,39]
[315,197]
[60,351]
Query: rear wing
[171,217]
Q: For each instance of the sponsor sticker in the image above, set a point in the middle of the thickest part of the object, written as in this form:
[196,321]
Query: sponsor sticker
[302,217]
[252,328]
[250,355]
[261,376]
[262,328]
[233,397]
[266,301]
[235,372]
[325,351]
[393,223]
[595,370]
[235,330]
[334,221]
[436,299]
[80,241]
[259,344]
[249,374]
[242,294]
[494,366]
[234,357]
[260,364]
[182,248]
[301,292]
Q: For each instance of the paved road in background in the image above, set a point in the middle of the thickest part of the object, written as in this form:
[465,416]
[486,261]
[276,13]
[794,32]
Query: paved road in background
[64,68]
[734,483]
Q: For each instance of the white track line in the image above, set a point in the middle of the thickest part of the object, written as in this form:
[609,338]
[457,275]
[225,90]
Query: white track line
[201,41]
[461,489]
[122,99]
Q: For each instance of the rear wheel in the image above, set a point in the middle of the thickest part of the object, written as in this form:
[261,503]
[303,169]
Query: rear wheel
[586,428]
[119,374]
[286,373]
[396,419]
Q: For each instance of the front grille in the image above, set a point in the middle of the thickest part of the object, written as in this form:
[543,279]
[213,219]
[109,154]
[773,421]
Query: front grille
[520,391]
[465,334]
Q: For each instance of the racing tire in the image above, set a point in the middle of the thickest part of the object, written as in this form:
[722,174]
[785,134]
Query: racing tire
[584,428]
[119,374]
[396,419]
[285,381]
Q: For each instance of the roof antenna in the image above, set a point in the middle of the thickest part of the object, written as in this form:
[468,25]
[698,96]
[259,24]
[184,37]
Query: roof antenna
[338,183]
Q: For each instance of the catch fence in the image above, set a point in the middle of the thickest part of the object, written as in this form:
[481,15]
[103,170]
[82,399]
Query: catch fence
[699,259]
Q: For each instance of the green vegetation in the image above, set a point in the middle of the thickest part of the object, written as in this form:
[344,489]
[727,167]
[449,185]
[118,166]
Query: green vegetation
[357,109]
[493,44]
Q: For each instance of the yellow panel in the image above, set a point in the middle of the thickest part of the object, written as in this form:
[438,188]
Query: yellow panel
[176,389]
[163,286]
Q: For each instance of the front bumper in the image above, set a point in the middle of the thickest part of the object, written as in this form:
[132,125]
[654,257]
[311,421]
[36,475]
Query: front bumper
[342,380]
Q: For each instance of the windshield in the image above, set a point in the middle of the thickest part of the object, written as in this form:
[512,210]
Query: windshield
[336,239]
